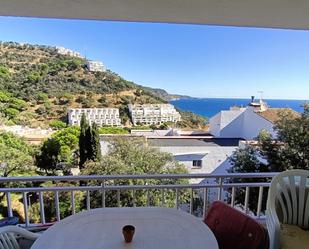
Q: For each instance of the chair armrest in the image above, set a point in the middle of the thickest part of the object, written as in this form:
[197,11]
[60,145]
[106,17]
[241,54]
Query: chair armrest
[19,231]
[273,228]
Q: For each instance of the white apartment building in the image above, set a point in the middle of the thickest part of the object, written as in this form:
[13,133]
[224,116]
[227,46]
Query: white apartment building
[153,114]
[96,66]
[199,155]
[100,116]
[245,123]
[26,131]
[66,51]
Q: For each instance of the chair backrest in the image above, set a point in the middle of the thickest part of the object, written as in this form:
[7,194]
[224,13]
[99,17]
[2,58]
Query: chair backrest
[289,196]
[9,234]
[8,241]
[234,229]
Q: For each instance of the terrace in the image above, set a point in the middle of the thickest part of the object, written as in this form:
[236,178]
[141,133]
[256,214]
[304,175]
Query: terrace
[89,198]
[169,192]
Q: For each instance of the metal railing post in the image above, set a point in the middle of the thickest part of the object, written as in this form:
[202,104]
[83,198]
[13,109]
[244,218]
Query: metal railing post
[42,211]
[177,198]
[205,199]
[162,197]
[191,201]
[103,194]
[26,213]
[233,197]
[72,202]
[260,199]
[88,201]
[246,199]
[57,205]
[220,189]
[9,204]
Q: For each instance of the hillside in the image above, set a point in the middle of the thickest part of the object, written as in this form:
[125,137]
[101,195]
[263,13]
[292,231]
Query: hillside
[38,84]
[164,94]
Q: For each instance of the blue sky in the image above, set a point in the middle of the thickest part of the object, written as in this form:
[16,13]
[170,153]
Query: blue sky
[197,60]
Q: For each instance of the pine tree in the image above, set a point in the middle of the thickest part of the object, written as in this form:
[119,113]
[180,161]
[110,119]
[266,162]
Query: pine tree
[83,141]
[95,154]
[89,142]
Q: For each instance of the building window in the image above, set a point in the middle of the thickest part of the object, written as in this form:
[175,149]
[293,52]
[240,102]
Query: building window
[197,163]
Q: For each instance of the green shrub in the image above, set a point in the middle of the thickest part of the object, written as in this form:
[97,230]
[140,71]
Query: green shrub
[4,72]
[18,104]
[113,130]
[9,122]
[57,124]
[34,77]
[41,110]
[65,98]
[4,96]
[11,112]
[103,101]
[42,97]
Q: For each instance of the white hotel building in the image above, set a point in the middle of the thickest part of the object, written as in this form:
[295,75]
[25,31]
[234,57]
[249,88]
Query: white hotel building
[66,51]
[96,66]
[153,113]
[100,116]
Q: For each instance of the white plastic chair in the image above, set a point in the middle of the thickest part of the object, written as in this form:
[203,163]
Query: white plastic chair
[10,234]
[288,203]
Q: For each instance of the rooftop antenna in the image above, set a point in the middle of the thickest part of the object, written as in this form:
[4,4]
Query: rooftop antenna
[85,51]
[261,94]
[263,105]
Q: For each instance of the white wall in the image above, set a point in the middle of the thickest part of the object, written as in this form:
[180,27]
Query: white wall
[187,161]
[214,125]
[214,157]
[235,126]
[226,124]
[253,124]
[239,124]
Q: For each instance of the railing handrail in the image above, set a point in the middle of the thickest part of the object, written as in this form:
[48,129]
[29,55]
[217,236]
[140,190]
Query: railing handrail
[84,184]
[137,177]
[133,187]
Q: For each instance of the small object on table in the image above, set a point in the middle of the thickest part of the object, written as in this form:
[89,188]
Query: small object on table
[128,233]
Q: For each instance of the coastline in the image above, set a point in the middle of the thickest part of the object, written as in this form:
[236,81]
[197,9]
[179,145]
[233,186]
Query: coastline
[208,107]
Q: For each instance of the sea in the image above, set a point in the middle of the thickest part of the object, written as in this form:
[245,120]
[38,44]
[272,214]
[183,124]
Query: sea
[208,107]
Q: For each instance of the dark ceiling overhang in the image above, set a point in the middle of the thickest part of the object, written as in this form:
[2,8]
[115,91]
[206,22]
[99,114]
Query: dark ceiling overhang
[290,14]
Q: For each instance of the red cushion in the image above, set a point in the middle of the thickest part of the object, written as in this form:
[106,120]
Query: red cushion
[234,229]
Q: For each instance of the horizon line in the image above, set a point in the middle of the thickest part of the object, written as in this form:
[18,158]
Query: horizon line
[242,98]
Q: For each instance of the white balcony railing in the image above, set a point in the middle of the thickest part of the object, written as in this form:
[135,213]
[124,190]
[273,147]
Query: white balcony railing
[220,184]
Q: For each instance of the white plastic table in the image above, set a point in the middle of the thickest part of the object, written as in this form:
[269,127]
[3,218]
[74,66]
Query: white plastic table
[155,228]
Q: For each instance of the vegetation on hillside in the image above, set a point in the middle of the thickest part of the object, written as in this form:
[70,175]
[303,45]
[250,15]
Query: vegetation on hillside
[164,94]
[12,107]
[38,85]
[192,120]
[28,70]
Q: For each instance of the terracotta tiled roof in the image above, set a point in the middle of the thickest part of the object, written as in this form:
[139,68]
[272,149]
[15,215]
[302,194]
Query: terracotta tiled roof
[272,114]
